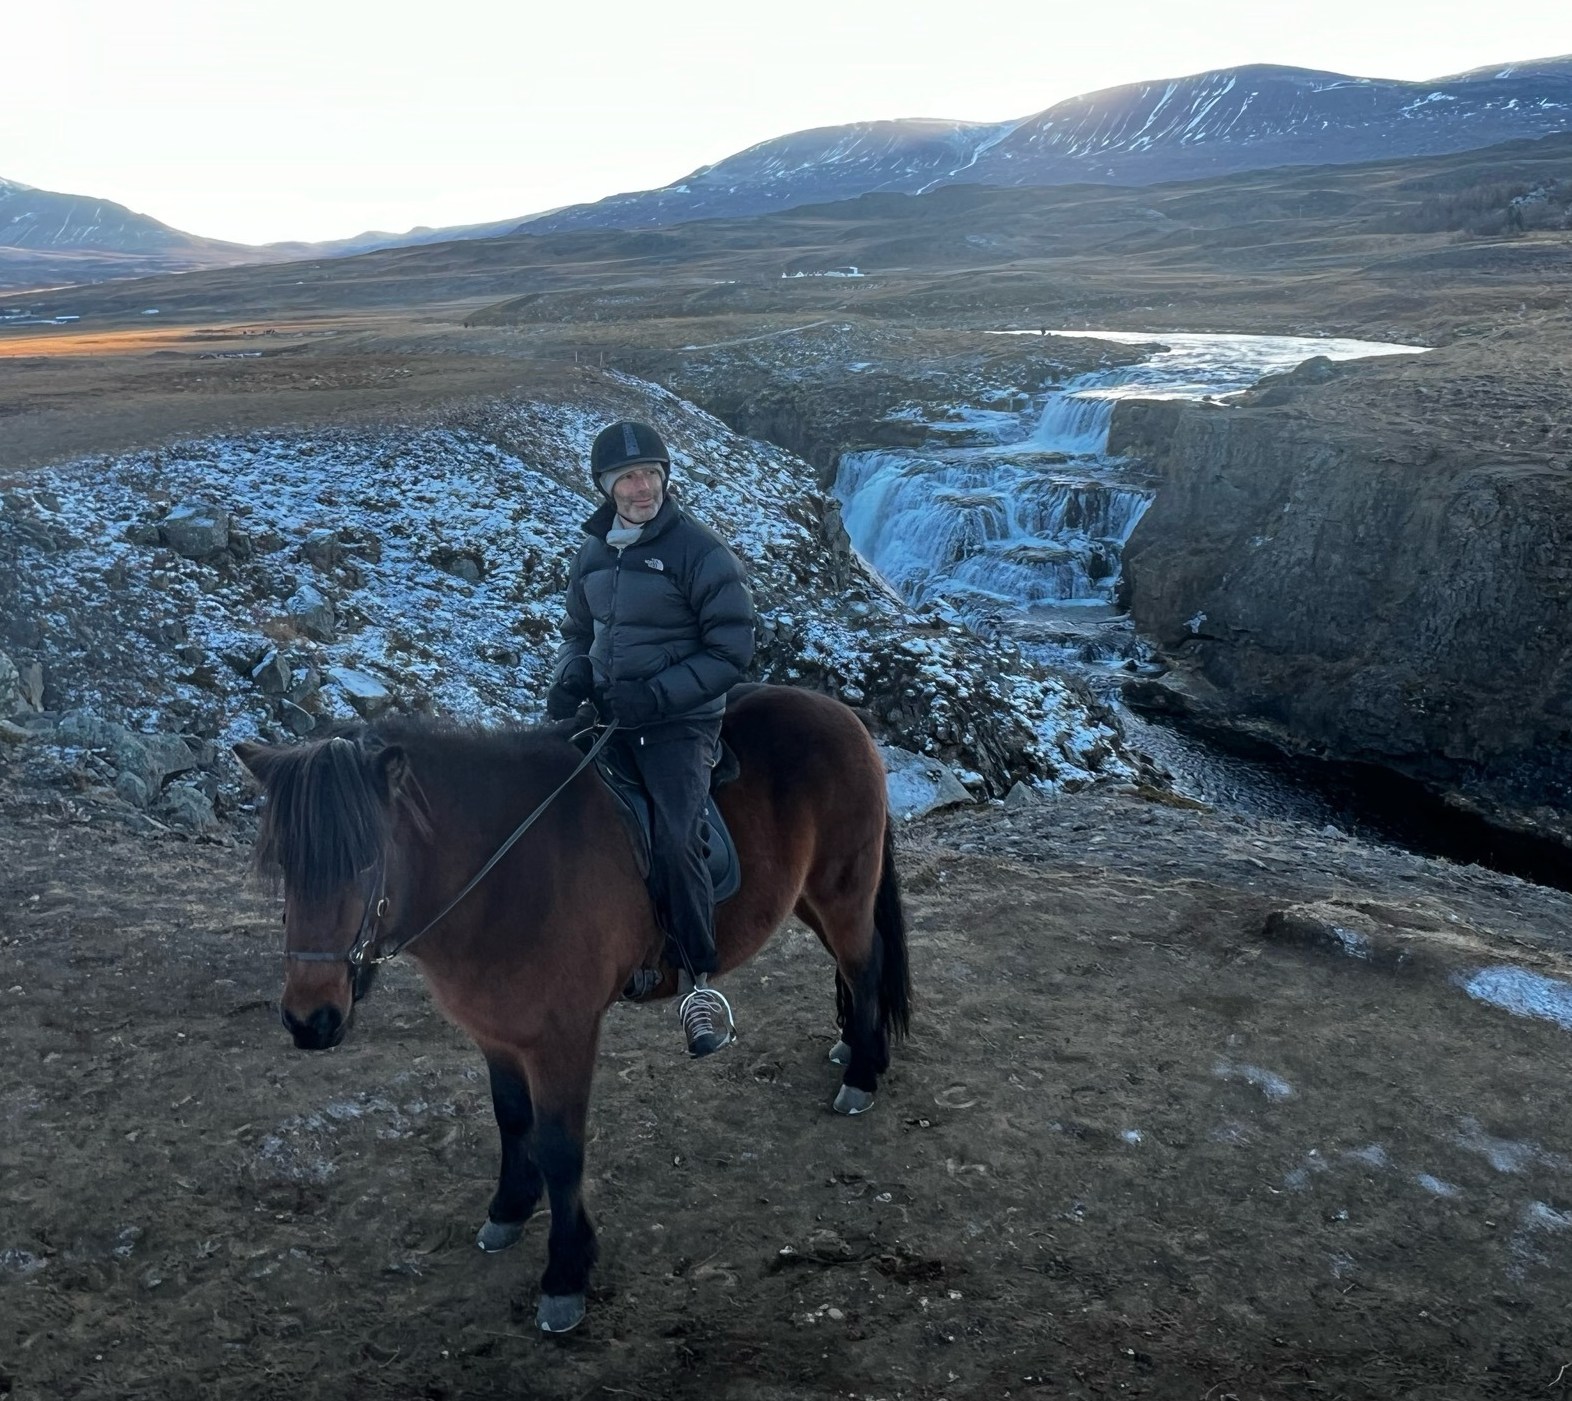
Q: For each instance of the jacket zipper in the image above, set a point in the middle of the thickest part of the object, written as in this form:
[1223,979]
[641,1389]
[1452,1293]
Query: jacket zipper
[616,581]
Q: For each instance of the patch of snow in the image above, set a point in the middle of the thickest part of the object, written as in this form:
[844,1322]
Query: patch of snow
[1270,1084]
[1505,1155]
[1436,1186]
[1522,993]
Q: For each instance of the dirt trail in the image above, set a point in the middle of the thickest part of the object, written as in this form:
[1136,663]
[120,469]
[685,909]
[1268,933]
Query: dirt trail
[1132,1149]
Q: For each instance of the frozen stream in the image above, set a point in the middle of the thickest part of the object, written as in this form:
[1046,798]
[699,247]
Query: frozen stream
[1017,522]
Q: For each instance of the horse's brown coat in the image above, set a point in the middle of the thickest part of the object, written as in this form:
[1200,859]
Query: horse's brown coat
[529,961]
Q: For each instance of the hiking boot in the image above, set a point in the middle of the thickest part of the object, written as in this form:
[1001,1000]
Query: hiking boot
[706,1021]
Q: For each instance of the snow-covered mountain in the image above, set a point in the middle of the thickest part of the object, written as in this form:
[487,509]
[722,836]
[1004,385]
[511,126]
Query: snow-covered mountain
[1178,129]
[49,238]
[48,220]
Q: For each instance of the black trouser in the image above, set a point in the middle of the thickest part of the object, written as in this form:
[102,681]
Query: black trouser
[674,759]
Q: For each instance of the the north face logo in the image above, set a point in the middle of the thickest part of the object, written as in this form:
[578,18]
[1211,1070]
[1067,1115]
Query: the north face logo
[656,564]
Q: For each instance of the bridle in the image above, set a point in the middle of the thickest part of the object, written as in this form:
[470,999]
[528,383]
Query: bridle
[363,955]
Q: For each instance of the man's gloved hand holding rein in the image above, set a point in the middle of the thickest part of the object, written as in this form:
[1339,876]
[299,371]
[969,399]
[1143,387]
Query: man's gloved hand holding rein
[631,703]
[575,686]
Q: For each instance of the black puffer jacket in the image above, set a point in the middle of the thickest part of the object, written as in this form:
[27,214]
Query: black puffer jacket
[671,610]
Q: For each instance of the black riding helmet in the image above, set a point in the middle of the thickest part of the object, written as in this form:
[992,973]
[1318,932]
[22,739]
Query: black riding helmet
[626,444]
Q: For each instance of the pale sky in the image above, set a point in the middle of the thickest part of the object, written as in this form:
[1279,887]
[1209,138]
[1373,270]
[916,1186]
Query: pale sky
[257,120]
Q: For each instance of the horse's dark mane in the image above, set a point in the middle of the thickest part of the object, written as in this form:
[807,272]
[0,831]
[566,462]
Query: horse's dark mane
[324,821]
[327,818]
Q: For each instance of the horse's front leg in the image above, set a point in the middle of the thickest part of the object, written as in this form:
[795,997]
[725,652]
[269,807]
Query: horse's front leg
[559,1075]
[520,1184]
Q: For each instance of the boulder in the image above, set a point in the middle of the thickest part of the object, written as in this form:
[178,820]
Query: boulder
[272,674]
[366,694]
[10,687]
[31,685]
[244,657]
[1020,796]
[296,720]
[174,754]
[132,790]
[196,530]
[310,613]
[187,808]
[306,682]
[917,785]
[149,758]
[321,548]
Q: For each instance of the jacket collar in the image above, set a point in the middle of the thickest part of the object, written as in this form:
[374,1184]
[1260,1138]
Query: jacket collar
[606,516]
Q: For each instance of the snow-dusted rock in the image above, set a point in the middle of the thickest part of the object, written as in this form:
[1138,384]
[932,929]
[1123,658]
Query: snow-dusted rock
[366,694]
[304,683]
[30,683]
[918,784]
[196,530]
[272,674]
[297,720]
[10,687]
[150,758]
[321,547]
[311,614]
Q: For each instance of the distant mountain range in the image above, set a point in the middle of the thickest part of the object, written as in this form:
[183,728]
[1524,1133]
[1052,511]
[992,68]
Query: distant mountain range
[1183,128]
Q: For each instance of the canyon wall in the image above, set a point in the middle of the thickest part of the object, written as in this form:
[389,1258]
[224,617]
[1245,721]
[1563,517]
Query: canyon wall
[1371,589]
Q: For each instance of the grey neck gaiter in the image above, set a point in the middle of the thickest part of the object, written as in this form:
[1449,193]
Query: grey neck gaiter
[620,536]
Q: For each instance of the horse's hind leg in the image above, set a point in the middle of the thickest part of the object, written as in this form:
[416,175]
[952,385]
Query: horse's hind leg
[846,930]
[560,1080]
[519,1186]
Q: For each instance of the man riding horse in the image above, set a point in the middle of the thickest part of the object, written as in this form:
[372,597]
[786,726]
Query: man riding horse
[659,627]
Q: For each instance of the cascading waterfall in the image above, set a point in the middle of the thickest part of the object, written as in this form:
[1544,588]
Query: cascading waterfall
[986,532]
[1008,527]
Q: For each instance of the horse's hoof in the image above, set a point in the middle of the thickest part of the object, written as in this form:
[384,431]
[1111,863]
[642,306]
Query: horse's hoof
[499,1235]
[852,1101]
[840,1054]
[559,1313]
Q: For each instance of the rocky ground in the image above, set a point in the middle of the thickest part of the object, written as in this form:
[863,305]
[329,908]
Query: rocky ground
[159,605]
[1194,1105]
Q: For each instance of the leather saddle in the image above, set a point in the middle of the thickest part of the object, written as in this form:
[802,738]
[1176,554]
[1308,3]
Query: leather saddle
[633,806]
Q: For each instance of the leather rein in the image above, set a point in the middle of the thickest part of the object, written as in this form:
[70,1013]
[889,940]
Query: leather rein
[361,955]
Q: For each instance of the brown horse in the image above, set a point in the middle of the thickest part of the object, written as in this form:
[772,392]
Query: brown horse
[374,833]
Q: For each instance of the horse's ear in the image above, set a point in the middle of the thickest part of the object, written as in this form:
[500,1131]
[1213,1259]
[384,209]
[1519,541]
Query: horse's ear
[256,759]
[393,767]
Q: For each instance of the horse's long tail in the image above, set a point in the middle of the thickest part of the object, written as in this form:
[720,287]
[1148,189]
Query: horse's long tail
[889,923]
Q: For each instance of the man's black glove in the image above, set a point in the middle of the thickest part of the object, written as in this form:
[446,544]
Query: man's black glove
[571,690]
[632,703]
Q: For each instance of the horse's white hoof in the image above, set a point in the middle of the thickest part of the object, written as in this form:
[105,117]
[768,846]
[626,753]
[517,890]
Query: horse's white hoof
[840,1054]
[559,1313]
[850,1101]
[499,1235]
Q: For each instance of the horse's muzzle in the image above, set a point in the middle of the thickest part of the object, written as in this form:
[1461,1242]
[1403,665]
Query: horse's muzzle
[323,1028]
